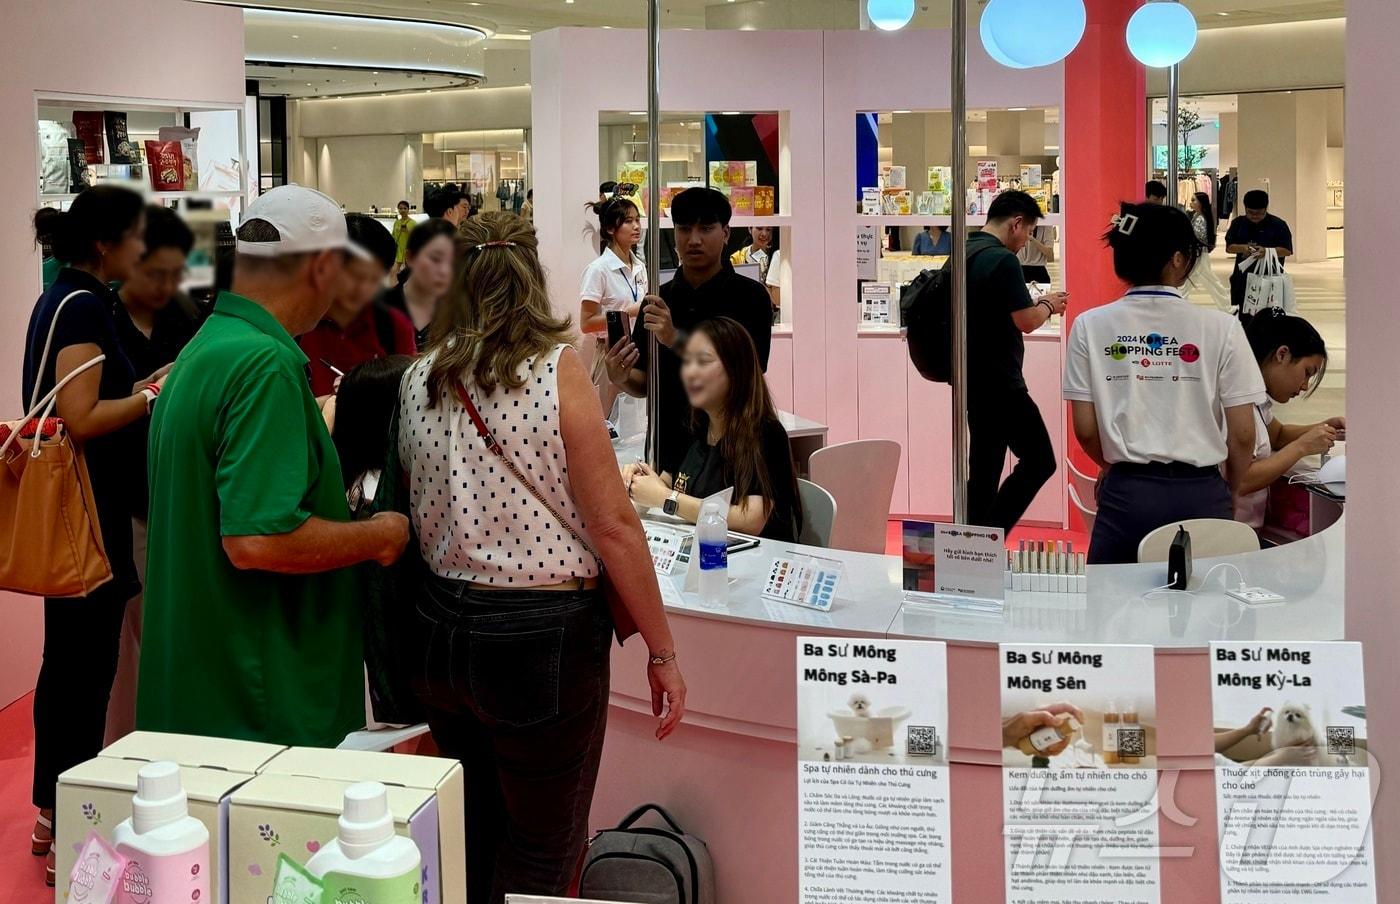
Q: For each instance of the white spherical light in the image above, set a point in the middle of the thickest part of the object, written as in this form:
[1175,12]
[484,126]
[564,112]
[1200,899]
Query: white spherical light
[1161,34]
[1025,34]
[889,15]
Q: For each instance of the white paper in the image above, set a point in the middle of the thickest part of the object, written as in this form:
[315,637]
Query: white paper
[1081,820]
[1292,775]
[970,561]
[874,825]
[867,251]
[876,302]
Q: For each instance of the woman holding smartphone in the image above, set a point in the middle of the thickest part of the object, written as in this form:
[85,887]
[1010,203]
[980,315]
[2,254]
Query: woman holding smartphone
[615,281]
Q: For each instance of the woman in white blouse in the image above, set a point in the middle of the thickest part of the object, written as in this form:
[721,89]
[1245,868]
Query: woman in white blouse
[1162,391]
[512,634]
[615,281]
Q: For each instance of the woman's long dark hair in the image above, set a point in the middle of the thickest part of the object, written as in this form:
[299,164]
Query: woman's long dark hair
[1207,211]
[748,410]
[364,408]
[610,214]
[1271,329]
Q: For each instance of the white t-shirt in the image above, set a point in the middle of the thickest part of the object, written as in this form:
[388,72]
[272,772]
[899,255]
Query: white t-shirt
[611,283]
[1251,509]
[1161,372]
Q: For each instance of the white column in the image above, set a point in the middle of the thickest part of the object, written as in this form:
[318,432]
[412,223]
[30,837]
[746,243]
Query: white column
[1373,512]
[1282,149]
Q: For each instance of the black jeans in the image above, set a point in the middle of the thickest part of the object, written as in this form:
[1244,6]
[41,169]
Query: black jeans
[1135,500]
[516,687]
[81,640]
[1001,421]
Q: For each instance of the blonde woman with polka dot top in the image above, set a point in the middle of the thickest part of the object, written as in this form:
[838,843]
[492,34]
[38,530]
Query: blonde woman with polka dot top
[512,629]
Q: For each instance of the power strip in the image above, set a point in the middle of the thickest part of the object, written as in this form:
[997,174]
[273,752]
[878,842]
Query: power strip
[1254,596]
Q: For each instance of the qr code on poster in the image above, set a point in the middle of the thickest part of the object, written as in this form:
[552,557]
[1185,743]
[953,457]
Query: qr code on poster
[923,741]
[1132,742]
[1341,740]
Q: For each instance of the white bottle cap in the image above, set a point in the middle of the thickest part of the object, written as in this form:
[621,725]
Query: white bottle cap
[160,799]
[365,821]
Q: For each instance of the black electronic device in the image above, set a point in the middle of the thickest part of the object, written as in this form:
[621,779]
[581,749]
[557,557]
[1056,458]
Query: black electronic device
[1179,560]
[618,328]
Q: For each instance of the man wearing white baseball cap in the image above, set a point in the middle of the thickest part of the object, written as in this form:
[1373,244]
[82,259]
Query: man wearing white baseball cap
[253,612]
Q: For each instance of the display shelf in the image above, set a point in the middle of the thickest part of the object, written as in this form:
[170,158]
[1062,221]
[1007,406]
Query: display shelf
[776,221]
[1050,219]
[155,195]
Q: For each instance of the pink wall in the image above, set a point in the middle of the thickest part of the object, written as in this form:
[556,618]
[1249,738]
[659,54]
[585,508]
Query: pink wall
[131,49]
[1373,333]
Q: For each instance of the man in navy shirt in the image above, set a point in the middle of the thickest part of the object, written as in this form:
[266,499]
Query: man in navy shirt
[1253,234]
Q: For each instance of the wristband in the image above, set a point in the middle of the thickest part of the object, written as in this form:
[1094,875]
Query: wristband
[150,392]
[662,660]
[1048,307]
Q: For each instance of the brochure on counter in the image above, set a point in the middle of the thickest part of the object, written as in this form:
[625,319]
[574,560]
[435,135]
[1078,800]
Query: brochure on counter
[1292,776]
[1079,783]
[872,771]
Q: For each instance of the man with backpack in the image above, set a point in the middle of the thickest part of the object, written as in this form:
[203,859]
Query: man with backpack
[1001,414]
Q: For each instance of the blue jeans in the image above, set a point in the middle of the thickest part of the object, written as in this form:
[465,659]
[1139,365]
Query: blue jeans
[516,687]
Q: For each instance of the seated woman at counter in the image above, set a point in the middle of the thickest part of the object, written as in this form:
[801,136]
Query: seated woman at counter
[1292,359]
[1162,391]
[738,443]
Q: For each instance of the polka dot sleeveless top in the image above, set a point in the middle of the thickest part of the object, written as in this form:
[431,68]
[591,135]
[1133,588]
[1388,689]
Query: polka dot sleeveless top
[475,522]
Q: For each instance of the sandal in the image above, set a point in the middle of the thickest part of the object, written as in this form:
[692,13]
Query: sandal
[50,872]
[40,847]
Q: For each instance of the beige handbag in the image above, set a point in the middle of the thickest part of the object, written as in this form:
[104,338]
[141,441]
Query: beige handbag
[50,540]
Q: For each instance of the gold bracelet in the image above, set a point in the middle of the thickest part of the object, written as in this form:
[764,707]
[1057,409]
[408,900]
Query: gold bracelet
[662,660]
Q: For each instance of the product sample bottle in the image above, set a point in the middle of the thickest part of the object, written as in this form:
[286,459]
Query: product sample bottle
[167,850]
[1111,721]
[368,861]
[1130,720]
[1047,736]
[712,538]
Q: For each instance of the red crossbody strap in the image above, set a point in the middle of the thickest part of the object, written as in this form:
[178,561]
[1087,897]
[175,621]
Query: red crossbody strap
[490,440]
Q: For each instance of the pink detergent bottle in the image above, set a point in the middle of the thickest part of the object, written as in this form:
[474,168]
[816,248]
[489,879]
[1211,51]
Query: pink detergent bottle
[167,850]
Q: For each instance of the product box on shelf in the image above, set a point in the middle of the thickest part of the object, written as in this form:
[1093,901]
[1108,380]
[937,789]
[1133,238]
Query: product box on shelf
[870,201]
[987,175]
[1031,176]
[96,795]
[729,174]
[939,178]
[763,203]
[741,201]
[292,808]
[897,202]
[896,177]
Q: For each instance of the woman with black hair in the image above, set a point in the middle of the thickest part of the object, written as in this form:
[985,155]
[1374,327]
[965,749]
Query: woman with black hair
[1292,360]
[1203,278]
[429,262]
[101,239]
[1162,391]
[615,281]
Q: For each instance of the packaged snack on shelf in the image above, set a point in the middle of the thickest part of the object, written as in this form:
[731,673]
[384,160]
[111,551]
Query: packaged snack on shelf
[165,163]
[53,157]
[89,127]
[79,176]
[897,202]
[189,150]
[118,139]
[870,201]
[987,175]
[895,177]
[741,199]
[939,178]
[1031,176]
[763,204]
[635,173]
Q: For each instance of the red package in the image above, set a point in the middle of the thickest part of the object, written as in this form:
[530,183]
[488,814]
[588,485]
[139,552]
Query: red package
[90,128]
[166,164]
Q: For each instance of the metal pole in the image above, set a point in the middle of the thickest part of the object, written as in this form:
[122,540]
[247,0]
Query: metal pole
[653,203]
[1173,111]
[958,190]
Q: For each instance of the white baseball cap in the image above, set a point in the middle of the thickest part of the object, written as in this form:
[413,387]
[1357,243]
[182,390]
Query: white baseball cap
[306,220]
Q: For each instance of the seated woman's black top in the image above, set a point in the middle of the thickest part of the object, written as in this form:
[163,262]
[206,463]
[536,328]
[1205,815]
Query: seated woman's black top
[704,472]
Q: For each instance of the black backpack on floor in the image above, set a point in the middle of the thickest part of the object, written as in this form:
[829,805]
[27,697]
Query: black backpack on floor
[926,311]
[647,866]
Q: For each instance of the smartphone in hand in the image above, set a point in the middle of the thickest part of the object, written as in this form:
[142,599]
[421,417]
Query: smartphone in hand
[619,327]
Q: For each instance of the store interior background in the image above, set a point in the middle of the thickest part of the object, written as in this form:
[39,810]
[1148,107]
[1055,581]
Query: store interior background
[1276,85]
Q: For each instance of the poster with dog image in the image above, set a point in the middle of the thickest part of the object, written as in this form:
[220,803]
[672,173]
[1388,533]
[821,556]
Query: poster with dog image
[1079,787]
[1292,772]
[872,773]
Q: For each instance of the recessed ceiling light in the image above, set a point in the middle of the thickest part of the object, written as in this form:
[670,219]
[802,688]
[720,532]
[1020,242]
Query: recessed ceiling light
[730,113]
[638,113]
[296,36]
[902,111]
[1222,14]
[1015,109]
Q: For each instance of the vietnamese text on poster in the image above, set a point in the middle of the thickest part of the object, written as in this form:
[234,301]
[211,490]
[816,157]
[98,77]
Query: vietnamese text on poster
[1079,783]
[872,771]
[1292,779]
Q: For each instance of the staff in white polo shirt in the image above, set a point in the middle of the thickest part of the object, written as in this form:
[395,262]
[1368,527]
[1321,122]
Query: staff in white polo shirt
[615,281]
[1162,391]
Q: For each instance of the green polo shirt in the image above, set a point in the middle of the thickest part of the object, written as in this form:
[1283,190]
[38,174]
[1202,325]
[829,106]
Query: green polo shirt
[238,448]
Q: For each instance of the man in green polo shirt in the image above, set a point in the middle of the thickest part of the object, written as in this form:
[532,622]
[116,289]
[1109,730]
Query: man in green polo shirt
[252,616]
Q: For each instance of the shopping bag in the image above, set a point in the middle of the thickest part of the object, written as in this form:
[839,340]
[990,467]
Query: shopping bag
[1266,285]
[50,538]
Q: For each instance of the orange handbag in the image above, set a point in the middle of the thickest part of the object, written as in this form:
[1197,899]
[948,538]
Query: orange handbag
[50,540]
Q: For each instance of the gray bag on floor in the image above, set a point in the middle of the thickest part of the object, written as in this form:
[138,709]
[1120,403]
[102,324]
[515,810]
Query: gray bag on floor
[648,866]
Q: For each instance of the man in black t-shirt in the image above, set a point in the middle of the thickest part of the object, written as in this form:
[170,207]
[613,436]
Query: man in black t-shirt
[1001,414]
[1253,234]
[705,286]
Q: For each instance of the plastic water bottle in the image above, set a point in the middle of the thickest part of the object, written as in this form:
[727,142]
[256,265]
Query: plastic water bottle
[712,536]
